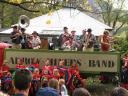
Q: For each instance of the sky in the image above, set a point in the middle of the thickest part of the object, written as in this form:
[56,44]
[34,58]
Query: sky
[117,3]
[126,4]
[125,7]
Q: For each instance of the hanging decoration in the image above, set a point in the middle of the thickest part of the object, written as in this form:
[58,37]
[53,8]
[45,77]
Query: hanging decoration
[48,22]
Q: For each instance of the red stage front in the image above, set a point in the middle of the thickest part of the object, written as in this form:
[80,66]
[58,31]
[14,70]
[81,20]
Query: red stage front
[1,55]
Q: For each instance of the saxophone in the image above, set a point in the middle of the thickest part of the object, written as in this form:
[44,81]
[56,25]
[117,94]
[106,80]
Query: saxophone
[86,44]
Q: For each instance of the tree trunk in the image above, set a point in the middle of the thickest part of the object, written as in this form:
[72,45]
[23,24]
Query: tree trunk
[2,16]
[13,14]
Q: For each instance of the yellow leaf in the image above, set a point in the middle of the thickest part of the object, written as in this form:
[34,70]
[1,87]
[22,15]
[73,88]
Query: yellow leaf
[16,1]
[10,1]
[89,8]
[19,1]
[86,2]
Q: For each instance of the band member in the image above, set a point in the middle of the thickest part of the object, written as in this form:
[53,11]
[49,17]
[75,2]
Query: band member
[82,38]
[105,41]
[36,40]
[16,37]
[64,37]
[29,42]
[70,44]
[24,39]
[89,40]
[73,35]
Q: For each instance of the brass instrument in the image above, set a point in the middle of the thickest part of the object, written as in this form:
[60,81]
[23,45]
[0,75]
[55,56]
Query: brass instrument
[23,21]
[88,43]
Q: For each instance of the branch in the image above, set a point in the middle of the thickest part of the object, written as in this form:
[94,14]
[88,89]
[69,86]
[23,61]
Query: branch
[115,21]
[117,16]
[28,2]
[20,6]
[41,2]
[119,27]
[38,2]
[102,13]
[14,4]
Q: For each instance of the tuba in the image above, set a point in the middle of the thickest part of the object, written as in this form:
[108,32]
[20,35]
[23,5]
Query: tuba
[24,21]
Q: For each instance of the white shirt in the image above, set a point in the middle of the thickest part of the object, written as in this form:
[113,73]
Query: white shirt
[36,42]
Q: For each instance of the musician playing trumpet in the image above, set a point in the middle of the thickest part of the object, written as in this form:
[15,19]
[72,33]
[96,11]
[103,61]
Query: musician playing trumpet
[89,40]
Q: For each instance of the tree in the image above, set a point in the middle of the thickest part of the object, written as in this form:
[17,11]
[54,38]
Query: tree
[10,14]
[34,5]
[116,17]
[10,10]
[37,7]
[1,15]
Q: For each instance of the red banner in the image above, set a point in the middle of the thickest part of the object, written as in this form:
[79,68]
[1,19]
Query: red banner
[1,56]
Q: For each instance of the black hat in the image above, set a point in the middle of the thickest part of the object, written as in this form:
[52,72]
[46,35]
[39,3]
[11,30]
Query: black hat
[89,30]
[73,31]
[65,27]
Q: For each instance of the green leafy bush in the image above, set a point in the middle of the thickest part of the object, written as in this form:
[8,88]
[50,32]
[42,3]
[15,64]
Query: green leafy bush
[120,44]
